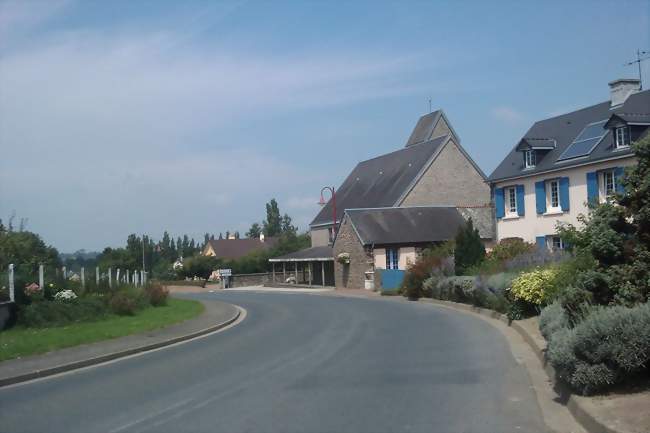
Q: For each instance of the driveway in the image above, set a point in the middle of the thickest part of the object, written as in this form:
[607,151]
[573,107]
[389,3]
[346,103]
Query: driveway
[298,363]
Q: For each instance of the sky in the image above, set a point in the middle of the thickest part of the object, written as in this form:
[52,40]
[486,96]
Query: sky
[143,116]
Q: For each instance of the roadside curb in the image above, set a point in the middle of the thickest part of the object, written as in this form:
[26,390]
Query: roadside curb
[577,409]
[116,355]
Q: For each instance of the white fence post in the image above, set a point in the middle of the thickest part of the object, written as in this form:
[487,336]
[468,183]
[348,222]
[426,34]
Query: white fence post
[97,275]
[41,278]
[12,294]
[110,278]
[128,277]
[65,273]
[83,277]
[117,276]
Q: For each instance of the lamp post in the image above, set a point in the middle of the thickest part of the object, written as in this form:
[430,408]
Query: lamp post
[322,202]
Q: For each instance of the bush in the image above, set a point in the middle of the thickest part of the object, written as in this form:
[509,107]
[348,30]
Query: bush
[433,262]
[576,303]
[469,250]
[508,249]
[611,345]
[552,319]
[45,313]
[157,294]
[534,287]
[497,283]
[127,301]
[456,289]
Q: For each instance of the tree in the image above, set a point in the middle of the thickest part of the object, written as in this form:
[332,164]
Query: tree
[2,227]
[236,235]
[206,239]
[273,223]
[286,226]
[220,236]
[227,234]
[469,248]
[254,232]
[26,249]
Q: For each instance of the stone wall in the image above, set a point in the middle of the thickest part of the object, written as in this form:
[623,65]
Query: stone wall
[450,180]
[244,280]
[350,276]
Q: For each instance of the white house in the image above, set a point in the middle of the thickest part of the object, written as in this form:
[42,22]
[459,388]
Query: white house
[564,162]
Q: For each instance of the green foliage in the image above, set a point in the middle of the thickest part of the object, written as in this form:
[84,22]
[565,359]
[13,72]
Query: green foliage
[552,319]
[45,313]
[455,288]
[156,294]
[27,249]
[503,252]
[535,287]
[432,263]
[273,222]
[254,232]
[127,301]
[609,346]
[469,250]
[199,266]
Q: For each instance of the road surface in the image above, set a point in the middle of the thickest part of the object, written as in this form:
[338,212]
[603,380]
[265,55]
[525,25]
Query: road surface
[298,363]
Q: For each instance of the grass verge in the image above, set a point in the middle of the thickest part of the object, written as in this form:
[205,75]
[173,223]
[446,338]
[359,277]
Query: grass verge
[18,341]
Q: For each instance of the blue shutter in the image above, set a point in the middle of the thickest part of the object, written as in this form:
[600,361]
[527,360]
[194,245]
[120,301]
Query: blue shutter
[564,193]
[541,242]
[521,207]
[499,202]
[618,179]
[592,187]
[540,196]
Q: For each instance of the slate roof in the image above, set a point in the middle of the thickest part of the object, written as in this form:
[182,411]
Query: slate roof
[418,224]
[322,253]
[236,248]
[380,181]
[564,129]
[424,128]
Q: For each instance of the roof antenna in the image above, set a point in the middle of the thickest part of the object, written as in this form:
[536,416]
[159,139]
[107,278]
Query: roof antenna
[430,105]
[639,59]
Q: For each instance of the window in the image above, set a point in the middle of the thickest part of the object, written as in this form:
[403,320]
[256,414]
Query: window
[554,195]
[622,137]
[392,258]
[511,208]
[529,158]
[609,184]
[557,243]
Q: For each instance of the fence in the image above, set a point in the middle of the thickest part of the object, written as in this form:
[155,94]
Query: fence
[19,280]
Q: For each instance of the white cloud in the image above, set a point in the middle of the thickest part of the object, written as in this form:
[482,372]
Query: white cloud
[507,115]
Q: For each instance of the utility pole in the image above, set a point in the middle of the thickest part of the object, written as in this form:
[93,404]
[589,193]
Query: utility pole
[639,59]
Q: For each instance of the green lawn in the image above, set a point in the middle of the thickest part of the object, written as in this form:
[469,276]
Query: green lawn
[19,341]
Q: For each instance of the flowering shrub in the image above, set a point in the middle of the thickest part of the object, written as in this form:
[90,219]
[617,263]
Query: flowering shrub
[65,295]
[343,258]
[33,289]
[534,287]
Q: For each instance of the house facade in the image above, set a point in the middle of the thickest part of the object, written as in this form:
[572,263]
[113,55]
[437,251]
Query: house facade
[563,163]
[431,171]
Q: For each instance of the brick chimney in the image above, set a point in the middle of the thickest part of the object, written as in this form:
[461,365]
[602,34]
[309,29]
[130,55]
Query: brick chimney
[620,89]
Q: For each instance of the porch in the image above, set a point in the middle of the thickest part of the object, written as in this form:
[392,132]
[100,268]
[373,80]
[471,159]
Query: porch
[311,267]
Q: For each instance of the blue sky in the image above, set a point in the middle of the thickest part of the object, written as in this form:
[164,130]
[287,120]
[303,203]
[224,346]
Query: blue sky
[145,116]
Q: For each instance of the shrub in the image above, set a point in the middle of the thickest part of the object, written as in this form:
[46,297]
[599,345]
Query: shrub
[56,313]
[432,262]
[534,287]
[497,283]
[157,294]
[576,303]
[610,346]
[469,249]
[508,249]
[552,319]
[457,289]
[127,301]
[539,257]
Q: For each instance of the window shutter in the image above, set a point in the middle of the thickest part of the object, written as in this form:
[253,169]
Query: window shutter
[618,179]
[564,193]
[540,196]
[521,208]
[592,187]
[499,202]
[541,242]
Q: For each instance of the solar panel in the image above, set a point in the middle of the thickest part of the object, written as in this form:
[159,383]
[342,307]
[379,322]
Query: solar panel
[586,141]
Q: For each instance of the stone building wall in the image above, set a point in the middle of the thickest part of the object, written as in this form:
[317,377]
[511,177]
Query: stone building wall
[350,276]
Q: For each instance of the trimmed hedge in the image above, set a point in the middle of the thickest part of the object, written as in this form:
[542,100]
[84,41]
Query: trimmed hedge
[609,346]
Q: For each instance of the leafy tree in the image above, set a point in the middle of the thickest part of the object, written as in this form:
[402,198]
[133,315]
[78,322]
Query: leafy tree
[212,237]
[206,239]
[220,236]
[286,225]
[469,248]
[199,266]
[26,248]
[273,222]
[254,232]
[236,235]
[227,234]
[2,227]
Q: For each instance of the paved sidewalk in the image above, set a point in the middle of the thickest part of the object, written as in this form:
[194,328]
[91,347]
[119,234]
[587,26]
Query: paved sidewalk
[216,315]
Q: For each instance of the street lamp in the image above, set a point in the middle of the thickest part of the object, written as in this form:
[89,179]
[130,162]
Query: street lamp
[322,202]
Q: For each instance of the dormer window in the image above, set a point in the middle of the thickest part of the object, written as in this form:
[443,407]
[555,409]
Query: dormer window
[622,134]
[529,158]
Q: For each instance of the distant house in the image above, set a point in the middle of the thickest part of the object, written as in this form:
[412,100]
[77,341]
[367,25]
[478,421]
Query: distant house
[230,249]
[564,162]
[431,170]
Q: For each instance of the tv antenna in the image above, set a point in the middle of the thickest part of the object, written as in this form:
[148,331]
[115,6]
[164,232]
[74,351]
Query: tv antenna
[429,105]
[640,57]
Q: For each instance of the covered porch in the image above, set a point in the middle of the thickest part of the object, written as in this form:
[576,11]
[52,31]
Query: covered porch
[311,267]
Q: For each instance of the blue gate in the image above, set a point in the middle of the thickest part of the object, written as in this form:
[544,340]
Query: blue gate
[391,279]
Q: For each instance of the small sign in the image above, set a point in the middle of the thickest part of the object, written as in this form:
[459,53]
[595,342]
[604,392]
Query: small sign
[225,272]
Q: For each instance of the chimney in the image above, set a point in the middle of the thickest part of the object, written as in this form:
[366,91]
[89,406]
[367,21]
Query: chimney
[261,237]
[620,89]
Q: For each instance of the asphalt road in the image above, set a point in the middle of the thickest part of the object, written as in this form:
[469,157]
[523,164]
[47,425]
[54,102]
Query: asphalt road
[298,363]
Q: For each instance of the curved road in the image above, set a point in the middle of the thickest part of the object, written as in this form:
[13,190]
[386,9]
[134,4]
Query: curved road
[298,363]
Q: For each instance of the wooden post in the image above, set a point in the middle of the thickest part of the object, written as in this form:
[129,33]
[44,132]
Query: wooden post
[12,294]
[41,277]
[322,271]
